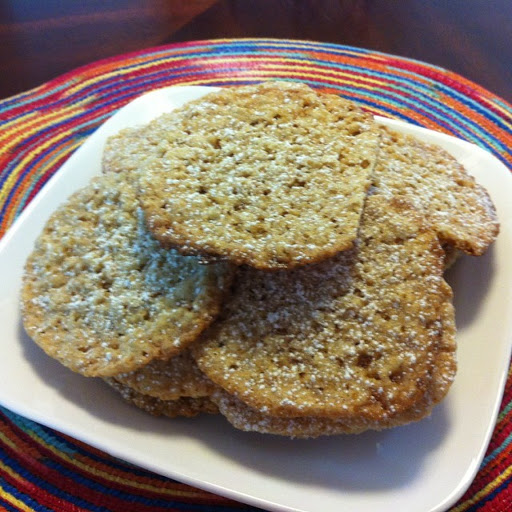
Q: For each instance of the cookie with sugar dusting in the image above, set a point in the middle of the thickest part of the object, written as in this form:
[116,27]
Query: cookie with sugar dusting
[357,336]
[169,379]
[184,406]
[126,150]
[100,295]
[459,209]
[271,175]
[243,417]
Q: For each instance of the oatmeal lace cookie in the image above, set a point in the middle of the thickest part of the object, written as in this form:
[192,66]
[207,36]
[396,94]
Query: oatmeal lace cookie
[459,210]
[243,417]
[357,336]
[168,379]
[100,295]
[184,406]
[271,175]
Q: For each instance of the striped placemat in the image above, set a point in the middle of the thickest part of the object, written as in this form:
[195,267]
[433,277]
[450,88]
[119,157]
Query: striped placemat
[43,470]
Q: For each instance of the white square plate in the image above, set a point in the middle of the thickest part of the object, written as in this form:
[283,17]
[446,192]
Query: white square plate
[423,467]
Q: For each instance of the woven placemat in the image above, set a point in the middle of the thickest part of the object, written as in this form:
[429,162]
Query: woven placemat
[43,470]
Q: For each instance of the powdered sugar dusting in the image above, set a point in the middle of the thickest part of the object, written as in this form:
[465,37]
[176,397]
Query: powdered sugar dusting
[459,209]
[102,296]
[356,335]
[255,179]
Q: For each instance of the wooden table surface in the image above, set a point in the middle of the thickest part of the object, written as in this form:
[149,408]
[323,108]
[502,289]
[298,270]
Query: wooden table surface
[41,39]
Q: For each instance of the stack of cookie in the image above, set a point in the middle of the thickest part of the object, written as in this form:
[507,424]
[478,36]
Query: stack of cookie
[267,252]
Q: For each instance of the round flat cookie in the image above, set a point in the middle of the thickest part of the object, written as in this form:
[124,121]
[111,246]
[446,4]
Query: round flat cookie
[184,406]
[271,175]
[100,294]
[243,417]
[169,379]
[459,210]
[357,336]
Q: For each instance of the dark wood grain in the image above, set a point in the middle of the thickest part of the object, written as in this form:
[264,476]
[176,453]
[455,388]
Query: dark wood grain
[42,39]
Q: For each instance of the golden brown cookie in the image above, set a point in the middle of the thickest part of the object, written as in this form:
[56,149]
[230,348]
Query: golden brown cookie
[127,149]
[271,175]
[357,336]
[184,406]
[168,379]
[100,294]
[459,210]
[245,418]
